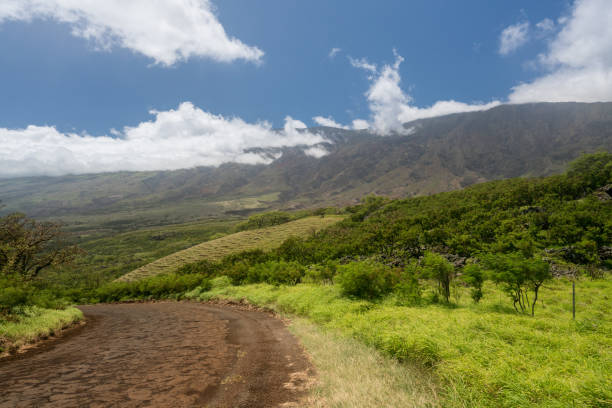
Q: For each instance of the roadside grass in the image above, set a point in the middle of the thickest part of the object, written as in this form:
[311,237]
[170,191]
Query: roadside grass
[484,355]
[34,323]
[353,375]
[264,238]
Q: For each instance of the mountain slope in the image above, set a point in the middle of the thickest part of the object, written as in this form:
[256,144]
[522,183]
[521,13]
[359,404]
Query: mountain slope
[440,154]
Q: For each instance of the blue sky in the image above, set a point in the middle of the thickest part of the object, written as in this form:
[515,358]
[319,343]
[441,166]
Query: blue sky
[51,76]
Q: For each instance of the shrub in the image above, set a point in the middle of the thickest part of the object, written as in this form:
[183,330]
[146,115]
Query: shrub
[366,280]
[276,273]
[407,291]
[473,276]
[157,287]
[436,267]
[265,220]
[519,277]
[203,267]
[321,273]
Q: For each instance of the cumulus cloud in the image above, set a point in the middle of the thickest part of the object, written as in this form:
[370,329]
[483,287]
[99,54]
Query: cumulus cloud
[328,121]
[165,30]
[578,61]
[174,139]
[513,37]
[390,106]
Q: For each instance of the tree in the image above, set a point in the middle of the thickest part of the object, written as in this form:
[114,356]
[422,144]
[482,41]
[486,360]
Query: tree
[438,268]
[28,246]
[519,276]
[473,275]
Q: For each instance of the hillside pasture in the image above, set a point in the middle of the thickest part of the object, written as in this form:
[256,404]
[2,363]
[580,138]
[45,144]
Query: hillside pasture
[215,250]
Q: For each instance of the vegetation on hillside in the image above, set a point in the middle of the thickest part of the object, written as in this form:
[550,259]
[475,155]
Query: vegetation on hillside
[461,284]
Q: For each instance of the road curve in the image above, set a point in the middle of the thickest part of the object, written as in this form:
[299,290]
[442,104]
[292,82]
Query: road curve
[166,354]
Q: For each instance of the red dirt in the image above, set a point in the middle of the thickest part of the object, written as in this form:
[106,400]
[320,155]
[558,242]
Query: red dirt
[168,354]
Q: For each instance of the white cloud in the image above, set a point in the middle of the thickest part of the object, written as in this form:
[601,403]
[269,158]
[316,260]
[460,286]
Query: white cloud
[513,37]
[578,60]
[329,122]
[360,124]
[334,51]
[316,151]
[391,107]
[167,31]
[546,25]
[181,138]
[362,63]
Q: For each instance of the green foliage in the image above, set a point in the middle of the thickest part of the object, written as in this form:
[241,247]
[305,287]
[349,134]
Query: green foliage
[519,277]
[436,267]
[157,287]
[15,293]
[474,277]
[275,273]
[366,280]
[594,170]
[203,267]
[265,220]
[321,273]
[526,215]
[407,291]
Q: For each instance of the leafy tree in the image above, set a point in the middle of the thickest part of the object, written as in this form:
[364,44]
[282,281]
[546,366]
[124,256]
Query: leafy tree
[365,280]
[474,276]
[28,246]
[436,267]
[519,277]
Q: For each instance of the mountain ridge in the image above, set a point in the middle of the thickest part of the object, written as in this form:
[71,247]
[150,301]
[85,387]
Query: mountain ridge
[439,154]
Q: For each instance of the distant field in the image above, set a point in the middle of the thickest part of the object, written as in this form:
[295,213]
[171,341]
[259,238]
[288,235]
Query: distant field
[265,238]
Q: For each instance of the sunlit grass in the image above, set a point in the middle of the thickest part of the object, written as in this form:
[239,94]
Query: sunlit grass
[34,323]
[483,355]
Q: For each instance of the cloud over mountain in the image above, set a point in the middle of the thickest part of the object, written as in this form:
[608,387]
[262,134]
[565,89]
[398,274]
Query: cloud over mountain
[178,138]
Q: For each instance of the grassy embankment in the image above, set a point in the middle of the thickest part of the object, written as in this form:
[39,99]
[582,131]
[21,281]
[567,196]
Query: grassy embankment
[264,238]
[484,355]
[34,323]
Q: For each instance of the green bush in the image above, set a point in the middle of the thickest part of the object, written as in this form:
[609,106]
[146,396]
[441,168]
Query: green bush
[157,287]
[16,293]
[474,277]
[321,273]
[268,219]
[436,267]
[366,280]
[276,273]
[407,291]
[203,267]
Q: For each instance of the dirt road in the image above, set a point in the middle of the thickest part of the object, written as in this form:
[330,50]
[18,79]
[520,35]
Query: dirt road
[168,354]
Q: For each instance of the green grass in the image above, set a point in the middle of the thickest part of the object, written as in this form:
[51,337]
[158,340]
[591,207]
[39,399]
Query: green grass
[265,238]
[33,324]
[483,355]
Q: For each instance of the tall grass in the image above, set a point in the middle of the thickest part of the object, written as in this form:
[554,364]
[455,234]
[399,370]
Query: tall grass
[484,355]
[34,323]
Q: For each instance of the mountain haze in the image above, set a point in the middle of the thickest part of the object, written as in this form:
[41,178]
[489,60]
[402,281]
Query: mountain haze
[439,154]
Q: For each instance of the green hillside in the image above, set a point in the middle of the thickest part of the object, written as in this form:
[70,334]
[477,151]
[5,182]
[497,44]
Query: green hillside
[264,238]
